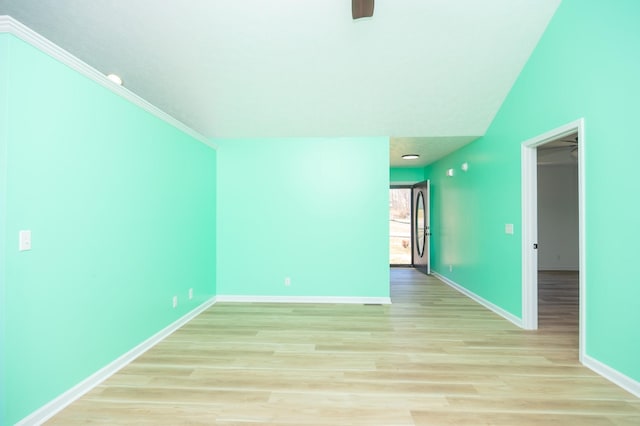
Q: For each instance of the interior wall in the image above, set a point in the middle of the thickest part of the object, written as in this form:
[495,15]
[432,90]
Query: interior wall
[121,206]
[315,210]
[4,43]
[406,175]
[558,236]
[581,68]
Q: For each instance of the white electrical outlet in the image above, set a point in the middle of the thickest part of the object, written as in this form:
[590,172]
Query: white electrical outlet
[287,281]
[175,301]
[190,293]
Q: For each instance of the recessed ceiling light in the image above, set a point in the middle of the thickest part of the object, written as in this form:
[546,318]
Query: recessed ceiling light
[115,78]
[410,156]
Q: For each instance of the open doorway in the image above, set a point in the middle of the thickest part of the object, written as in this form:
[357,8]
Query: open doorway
[558,235]
[553,228]
[400,242]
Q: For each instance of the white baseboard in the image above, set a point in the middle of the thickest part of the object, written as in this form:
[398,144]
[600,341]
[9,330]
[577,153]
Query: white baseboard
[498,310]
[56,405]
[625,382]
[305,299]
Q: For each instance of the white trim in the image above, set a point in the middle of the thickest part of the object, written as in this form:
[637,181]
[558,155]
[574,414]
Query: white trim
[305,299]
[613,375]
[56,405]
[427,213]
[24,33]
[609,373]
[530,226]
[529,174]
[497,309]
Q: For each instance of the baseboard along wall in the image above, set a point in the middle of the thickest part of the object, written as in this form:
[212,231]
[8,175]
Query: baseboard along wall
[625,382]
[56,405]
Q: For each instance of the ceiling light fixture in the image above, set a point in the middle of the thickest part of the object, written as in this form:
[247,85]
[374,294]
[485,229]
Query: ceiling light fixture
[115,78]
[410,156]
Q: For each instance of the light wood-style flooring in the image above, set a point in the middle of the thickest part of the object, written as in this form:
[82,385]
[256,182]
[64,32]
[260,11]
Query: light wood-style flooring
[433,357]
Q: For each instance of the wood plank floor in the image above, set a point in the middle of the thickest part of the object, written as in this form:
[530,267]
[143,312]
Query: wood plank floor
[433,357]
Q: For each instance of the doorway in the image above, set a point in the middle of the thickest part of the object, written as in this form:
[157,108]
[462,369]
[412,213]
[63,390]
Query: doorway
[400,239]
[558,259]
[409,232]
[573,136]
[420,227]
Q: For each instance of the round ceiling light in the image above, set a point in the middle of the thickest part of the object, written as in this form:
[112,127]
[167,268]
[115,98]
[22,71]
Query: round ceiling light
[115,78]
[410,156]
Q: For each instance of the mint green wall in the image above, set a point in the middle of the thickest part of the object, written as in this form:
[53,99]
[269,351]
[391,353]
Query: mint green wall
[586,65]
[121,207]
[3,167]
[406,175]
[315,210]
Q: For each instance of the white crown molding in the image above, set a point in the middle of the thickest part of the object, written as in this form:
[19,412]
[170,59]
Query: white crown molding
[305,299]
[24,33]
[498,310]
[56,405]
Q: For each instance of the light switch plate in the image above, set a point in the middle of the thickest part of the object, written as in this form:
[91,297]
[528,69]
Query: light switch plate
[508,228]
[24,240]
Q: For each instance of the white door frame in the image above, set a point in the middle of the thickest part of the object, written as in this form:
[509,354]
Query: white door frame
[529,150]
[427,212]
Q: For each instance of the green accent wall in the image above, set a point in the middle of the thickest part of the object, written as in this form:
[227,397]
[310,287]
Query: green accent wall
[585,66]
[312,209]
[122,209]
[4,40]
[127,211]
[405,175]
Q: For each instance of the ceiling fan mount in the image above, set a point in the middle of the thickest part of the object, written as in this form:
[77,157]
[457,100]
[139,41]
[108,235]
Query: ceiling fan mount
[362,8]
[568,144]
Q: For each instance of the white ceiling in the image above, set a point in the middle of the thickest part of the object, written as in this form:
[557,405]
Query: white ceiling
[431,74]
[429,149]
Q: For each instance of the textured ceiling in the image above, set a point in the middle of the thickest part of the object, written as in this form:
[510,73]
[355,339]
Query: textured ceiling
[432,70]
[429,149]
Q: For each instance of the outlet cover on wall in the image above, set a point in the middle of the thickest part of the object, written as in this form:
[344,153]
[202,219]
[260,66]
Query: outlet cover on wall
[175,301]
[287,281]
[190,293]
